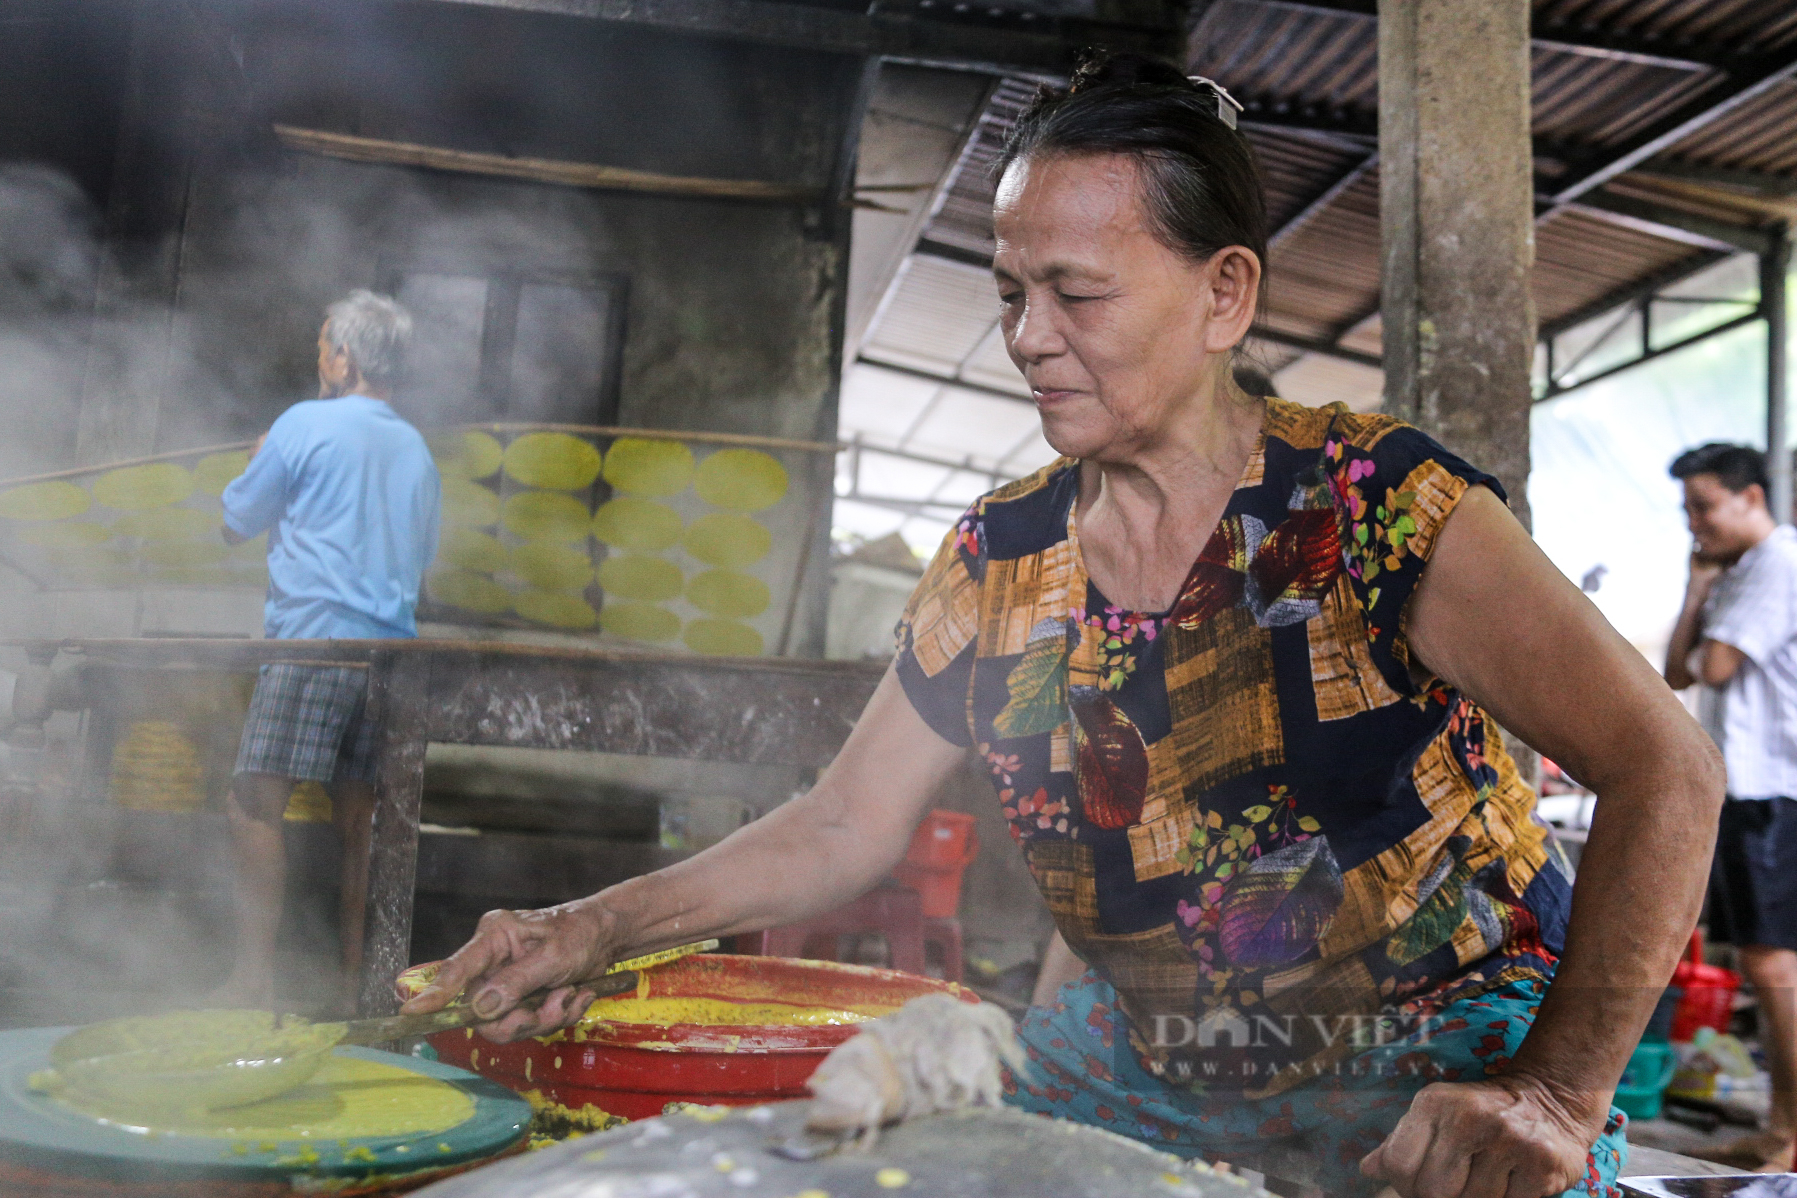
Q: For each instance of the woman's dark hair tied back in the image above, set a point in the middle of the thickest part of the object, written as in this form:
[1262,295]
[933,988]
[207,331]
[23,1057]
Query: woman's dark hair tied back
[1138,70]
[1101,68]
[1203,188]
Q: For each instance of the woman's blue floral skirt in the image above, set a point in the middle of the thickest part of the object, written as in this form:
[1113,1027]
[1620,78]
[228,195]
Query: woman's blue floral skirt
[1080,1067]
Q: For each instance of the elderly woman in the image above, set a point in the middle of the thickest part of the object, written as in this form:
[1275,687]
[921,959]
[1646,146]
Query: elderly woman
[1234,666]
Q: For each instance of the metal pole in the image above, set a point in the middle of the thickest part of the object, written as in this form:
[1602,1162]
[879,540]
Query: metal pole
[1774,266]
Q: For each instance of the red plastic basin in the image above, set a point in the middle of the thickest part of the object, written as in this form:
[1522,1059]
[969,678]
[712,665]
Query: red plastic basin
[634,1069]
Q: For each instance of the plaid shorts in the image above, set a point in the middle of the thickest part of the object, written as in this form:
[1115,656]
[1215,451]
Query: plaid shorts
[308,723]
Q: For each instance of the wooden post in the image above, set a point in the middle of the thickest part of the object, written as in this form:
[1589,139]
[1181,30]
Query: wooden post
[397,693]
[1775,265]
[1457,205]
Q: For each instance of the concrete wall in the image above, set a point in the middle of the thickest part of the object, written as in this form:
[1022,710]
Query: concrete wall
[198,252]
[730,324]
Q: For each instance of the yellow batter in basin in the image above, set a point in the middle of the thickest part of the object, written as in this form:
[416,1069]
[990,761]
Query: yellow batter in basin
[184,1072]
[720,1012]
[348,1098]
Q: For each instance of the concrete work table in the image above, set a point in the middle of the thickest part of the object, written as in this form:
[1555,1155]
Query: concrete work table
[752,711]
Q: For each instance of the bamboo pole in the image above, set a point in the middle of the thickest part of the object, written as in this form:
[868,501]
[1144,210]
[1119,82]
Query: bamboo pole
[170,456]
[536,170]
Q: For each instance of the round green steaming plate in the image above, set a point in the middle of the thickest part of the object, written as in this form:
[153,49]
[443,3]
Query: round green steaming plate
[38,1131]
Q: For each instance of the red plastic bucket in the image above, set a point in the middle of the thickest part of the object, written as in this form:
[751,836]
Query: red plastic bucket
[941,849]
[634,1070]
[1709,993]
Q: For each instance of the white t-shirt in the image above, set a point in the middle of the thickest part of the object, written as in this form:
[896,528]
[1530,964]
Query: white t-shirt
[1753,607]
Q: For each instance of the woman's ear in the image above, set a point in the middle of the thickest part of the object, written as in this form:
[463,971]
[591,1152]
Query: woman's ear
[1233,276]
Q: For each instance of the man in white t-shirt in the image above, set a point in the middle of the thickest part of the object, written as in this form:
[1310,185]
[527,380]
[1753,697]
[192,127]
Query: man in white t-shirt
[1737,634]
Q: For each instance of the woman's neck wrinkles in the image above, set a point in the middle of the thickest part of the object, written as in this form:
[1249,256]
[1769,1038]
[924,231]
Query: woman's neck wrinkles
[1145,517]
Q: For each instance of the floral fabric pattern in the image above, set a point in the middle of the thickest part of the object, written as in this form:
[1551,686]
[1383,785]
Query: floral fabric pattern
[1249,805]
[1072,1071]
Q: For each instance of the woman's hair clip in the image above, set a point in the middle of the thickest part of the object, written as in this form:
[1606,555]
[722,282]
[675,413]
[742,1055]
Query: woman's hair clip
[1227,105]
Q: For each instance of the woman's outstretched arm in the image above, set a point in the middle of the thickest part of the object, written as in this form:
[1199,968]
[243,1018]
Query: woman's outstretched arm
[809,856]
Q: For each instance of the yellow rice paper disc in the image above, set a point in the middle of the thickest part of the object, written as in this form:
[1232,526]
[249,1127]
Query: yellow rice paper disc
[639,621]
[723,638]
[469,505]
[214,472]
[552,567]
[170,524]
[741,480]
[727,539]
[65,536]
[728,593]
[469,591]
[640,466]
[546,516]
[558,609]
[553,461]
[183,553]
[466,549]
[135,488]
[44,501]
[467,454]
[639,525]
[646,579]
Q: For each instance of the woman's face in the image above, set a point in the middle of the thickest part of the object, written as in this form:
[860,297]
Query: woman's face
[1115,333]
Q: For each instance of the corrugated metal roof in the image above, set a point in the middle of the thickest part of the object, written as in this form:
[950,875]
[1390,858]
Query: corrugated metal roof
[1760,135]
[963,221]
[1604,72]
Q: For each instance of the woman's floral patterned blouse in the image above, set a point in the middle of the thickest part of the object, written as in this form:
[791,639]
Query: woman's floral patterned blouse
[1248,813]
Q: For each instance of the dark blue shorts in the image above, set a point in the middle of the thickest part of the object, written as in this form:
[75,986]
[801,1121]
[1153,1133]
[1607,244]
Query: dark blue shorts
[1753,883]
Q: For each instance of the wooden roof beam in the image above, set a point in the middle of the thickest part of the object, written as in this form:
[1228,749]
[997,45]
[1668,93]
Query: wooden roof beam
[1734,177]
[946,380]
[1632,292]
[1671,224]
[1310,345]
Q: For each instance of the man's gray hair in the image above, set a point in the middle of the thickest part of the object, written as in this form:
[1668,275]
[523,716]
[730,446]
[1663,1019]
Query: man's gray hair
[373,330]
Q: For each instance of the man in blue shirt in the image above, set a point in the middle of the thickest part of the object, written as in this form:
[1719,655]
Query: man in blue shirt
[349,496]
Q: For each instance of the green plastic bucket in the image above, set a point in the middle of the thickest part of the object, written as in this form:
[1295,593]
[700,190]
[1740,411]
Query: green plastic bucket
[1643,1083]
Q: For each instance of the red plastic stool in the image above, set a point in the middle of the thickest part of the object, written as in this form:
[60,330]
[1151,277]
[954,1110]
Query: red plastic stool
[894,912]
[945,934]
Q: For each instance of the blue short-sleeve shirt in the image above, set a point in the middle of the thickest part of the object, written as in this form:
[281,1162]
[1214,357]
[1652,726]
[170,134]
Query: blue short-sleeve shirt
[349,496]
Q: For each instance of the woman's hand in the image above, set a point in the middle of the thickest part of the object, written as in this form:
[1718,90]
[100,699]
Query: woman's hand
[1507,1137]
[516,953]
